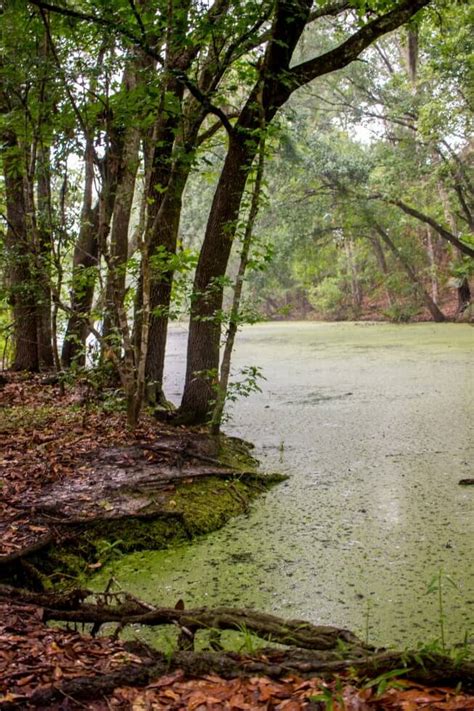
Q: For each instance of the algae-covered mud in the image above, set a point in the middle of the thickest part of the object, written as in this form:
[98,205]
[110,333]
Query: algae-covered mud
[373,425]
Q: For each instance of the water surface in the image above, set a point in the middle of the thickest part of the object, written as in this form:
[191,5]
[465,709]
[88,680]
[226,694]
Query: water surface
[373,425]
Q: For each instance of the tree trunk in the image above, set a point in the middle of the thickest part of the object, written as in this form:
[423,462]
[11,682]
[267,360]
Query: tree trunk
[353,274]
[205,326]
[464,295]
[463,288]
[224,374]
[433,266]
[84,262]
[382,262]
[45,343]
[118,251]
[95,223]
[275,84]
[158,152]
[23,296]
[161,285]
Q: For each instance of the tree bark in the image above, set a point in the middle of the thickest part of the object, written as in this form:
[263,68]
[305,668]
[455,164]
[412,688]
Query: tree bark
[118,250]
[45,236]
[224,374]
[356,290]
[382,262]
[84,260]
[205,325]
[442,231]
[22,287]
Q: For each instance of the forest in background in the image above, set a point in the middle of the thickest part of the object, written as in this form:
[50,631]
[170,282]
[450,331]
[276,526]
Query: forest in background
[224,162]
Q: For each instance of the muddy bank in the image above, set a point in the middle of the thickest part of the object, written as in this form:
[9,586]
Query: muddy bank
[78,493]
[142,497]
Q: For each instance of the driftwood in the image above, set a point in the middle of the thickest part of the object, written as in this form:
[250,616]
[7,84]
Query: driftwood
[310,650]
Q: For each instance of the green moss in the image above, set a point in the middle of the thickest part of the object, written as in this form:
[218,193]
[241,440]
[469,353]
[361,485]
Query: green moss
[134,534]
[196,508]
[235,454]
[208,505]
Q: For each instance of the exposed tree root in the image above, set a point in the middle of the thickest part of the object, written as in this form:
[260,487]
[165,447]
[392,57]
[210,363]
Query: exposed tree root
[310,649]
[432,670]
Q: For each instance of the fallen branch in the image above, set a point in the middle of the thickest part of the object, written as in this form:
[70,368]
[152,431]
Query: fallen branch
[297,633]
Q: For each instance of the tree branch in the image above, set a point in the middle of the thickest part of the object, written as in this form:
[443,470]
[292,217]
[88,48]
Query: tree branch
[102,22]
[349,50]
[442,231]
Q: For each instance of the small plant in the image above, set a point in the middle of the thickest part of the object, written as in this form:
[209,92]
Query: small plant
[367,621]
[329,697]
[244,387]
[437,586]
[281,449]
[107,550]
[385,681]
[251,374]
[250,642]
[401,313]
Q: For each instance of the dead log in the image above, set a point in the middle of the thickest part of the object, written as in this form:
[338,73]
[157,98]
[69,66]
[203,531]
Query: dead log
[34,547]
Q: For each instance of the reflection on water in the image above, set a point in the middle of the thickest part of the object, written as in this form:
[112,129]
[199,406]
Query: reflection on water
[372,422]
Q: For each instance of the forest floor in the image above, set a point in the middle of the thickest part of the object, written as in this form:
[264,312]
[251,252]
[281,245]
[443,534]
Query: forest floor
[64,459]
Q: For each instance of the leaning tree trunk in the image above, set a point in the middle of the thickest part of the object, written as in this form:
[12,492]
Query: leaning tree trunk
[434,310]
[275,84]
[23,296]
[205,325]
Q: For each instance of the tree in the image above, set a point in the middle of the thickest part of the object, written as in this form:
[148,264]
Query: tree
[276,81]
[28,94]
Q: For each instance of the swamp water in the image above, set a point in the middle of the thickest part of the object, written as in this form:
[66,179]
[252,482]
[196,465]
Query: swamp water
[373,425]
